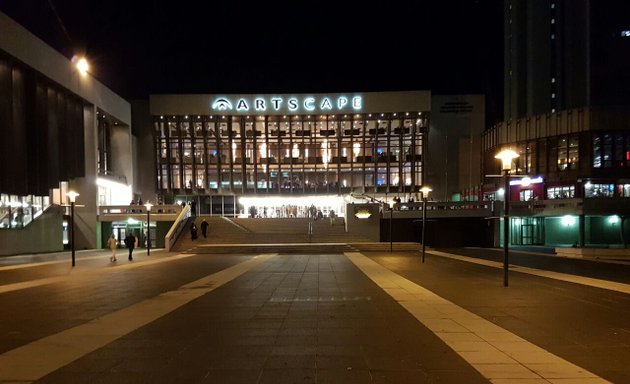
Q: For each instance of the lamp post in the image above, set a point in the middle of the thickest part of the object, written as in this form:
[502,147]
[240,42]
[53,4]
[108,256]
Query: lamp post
[73,197]
[148,207]
[506,156]
[425,194]
[391,212]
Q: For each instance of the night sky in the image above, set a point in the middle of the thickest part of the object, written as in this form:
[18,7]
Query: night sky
[142,47]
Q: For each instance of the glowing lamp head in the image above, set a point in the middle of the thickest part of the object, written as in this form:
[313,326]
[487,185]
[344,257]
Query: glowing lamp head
[72,195]
[82,65]
[506,156]
[425,191]
[148,206]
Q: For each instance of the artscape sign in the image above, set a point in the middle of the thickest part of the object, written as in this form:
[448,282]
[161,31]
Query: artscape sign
[288,104]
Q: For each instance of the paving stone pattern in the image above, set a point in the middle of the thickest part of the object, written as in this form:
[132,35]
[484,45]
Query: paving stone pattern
[295,319]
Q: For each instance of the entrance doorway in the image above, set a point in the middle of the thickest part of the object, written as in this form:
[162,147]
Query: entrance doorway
[528,230]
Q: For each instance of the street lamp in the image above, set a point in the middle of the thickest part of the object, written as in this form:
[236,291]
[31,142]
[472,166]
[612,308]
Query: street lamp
[148,206]
[72,195]
[425,195]
[391,212]
[506,156]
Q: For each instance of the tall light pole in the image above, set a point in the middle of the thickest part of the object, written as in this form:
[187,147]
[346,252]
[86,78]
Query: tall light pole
[506,156]
[72,195]
[425,195]
[148,206]
[391,212]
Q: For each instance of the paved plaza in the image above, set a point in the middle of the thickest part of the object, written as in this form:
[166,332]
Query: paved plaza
[354,317]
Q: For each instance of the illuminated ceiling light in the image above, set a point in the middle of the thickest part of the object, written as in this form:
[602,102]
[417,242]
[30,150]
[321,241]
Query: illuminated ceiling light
[613,219]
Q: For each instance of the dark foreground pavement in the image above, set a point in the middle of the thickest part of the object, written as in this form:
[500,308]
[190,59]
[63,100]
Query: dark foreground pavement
[303,319]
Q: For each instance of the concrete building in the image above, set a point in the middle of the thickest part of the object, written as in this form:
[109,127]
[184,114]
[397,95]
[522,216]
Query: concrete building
[61,130]
[567,116]
[276,155]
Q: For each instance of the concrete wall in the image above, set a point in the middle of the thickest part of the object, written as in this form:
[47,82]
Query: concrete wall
[33,52]
[453,118]
[373,102]
[145,177]
[368,227]
[85,212]
[121,152]
[45,234]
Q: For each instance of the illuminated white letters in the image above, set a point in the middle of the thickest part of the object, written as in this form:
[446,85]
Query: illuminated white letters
[260,104]
[308,103]
[293,104]
[341,102]
[326,104]
[241,105]
[276,101]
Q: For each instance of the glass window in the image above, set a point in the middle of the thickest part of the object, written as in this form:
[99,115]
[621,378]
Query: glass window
[607,149]
[526,194]
[563,154]
[619,151]
[599,190]
[563,192]
[573,152]
[597,151]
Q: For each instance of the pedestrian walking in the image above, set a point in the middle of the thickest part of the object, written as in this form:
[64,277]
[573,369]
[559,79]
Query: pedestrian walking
[204,227]
[131,242]
[193,232]
[112,244]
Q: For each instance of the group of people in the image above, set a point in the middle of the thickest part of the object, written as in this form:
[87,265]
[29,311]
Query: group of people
[131,242]
[204,230]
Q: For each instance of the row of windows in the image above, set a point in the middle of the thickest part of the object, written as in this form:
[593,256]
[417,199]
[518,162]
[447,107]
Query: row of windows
[307,180]
[611,150]
[562,153]
[260,129]
[590,190]
[210,154]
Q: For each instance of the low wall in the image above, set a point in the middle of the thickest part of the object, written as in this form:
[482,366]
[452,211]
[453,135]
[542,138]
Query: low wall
[44,234]
[594,253]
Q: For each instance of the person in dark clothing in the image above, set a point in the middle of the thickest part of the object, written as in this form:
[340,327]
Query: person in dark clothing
[131,242]
[204,228]
[193,232]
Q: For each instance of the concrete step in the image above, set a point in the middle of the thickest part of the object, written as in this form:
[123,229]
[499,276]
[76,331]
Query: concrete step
[319,248]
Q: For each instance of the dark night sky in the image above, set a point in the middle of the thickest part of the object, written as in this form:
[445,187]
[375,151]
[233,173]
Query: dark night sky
[143,47]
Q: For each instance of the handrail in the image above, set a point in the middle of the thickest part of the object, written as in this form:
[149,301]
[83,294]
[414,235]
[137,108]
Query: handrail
[176,228]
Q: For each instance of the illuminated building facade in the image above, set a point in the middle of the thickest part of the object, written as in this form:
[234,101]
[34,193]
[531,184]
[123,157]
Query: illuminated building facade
[222,146]
[569,122]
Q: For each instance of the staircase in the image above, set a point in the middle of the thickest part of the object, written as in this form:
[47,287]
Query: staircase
[268,235]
